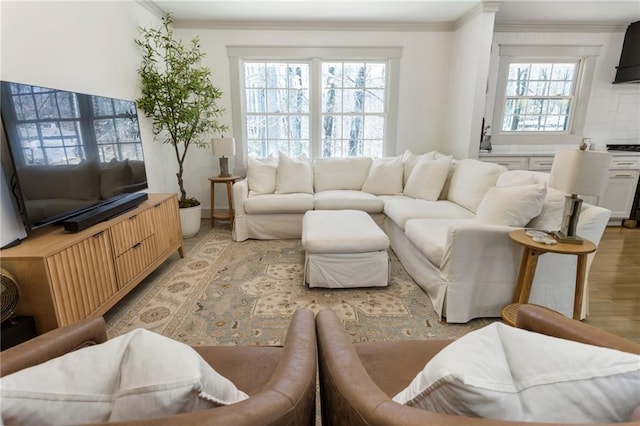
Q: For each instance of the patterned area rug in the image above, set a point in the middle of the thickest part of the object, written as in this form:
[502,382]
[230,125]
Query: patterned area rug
[227,293]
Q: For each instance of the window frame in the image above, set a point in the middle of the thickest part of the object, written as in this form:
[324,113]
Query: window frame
[238,55]
[585,56]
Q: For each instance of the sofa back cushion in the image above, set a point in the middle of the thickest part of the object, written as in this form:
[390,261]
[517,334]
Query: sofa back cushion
[471,180]
[294,175]
[385,177]
[340,173]
[261,175]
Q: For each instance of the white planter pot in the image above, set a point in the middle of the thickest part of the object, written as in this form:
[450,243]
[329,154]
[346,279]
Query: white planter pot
[190,221]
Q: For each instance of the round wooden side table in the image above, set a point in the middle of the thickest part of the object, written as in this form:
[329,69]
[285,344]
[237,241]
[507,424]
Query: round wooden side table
[529,262]
[228,181]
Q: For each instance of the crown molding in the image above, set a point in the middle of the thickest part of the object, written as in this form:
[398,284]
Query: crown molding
[560,27]
[152,7]
[483,7]
[315,25]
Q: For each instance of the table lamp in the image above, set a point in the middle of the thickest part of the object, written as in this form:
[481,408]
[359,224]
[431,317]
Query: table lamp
[577,172]
[224,148]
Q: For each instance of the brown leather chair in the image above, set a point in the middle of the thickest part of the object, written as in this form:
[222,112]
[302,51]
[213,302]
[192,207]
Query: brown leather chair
[280,381]
[357,381]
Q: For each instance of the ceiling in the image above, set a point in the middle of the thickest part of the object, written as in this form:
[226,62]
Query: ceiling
[396,12]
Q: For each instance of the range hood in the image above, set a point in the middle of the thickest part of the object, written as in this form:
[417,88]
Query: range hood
[628,70]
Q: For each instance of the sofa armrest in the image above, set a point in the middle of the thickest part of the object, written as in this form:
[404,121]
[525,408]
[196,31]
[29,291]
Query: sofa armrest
[480,250]
[541,320]
[55,343]
[240,194]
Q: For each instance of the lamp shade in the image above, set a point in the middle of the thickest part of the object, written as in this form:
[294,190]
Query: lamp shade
[224,147]
[580,172]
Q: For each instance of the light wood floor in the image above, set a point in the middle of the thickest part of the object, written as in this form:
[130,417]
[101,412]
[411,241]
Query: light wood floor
[614,283]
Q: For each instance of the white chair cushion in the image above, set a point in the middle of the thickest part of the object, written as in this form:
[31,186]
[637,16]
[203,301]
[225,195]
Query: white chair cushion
[385,176]
[340,173]
[401,209]
[471,180]
[261,175]
[501,372]
[511,205]
[341,231]
[294,175]
[427,178]
[134,376]
[278,203]
[347,199]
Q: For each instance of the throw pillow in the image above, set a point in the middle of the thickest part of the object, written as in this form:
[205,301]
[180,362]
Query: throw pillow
[516,177]
[294,175]
[511,205]
[550,217]
[385,176]
[134,376]
[427,178]
[470,181]
[501,372]
[409,161]
[261,175]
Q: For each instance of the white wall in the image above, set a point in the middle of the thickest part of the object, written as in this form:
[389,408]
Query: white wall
[424,73]
[470,65]
[85,47]
[613,114]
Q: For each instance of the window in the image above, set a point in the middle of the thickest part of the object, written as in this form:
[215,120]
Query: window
[56,127]
[333,102]
[277,107]
[542,93]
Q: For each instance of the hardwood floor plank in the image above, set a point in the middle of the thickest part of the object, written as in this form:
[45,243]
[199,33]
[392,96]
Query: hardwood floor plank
[614,283]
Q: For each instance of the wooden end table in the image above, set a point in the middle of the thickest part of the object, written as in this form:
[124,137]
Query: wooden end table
[530,260]
[228,181]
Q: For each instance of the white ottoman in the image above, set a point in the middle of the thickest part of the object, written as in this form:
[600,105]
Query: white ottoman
[344,248]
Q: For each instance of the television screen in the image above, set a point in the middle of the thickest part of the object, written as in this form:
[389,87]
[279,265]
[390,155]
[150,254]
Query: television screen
[70,152]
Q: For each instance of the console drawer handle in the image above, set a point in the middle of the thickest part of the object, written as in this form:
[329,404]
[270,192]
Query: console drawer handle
[133,217]
[136,245]
[98,234]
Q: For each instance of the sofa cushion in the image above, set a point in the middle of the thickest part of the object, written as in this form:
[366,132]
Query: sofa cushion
[511,205]
[347,199]
[409,161]
[471,180]
[278,203]
[502,372]
[340,173]
[261,175]
[429,236]
[385,176]
[341,231]
[294,175]
[138,375]
[402,208]
[427,178]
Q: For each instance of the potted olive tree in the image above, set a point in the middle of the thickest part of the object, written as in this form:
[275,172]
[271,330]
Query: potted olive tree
[180,99]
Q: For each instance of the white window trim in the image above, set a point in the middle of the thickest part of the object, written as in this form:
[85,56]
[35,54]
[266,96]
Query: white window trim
[509,53]
[313,55]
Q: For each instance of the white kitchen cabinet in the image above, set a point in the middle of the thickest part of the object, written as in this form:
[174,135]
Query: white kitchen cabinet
[621,188]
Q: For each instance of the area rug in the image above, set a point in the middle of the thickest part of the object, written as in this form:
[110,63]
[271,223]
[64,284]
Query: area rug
[244,293]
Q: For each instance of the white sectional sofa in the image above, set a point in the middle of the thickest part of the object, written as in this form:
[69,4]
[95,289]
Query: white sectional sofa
[447,221]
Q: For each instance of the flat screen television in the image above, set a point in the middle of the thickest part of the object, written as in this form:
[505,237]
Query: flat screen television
[70,153]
